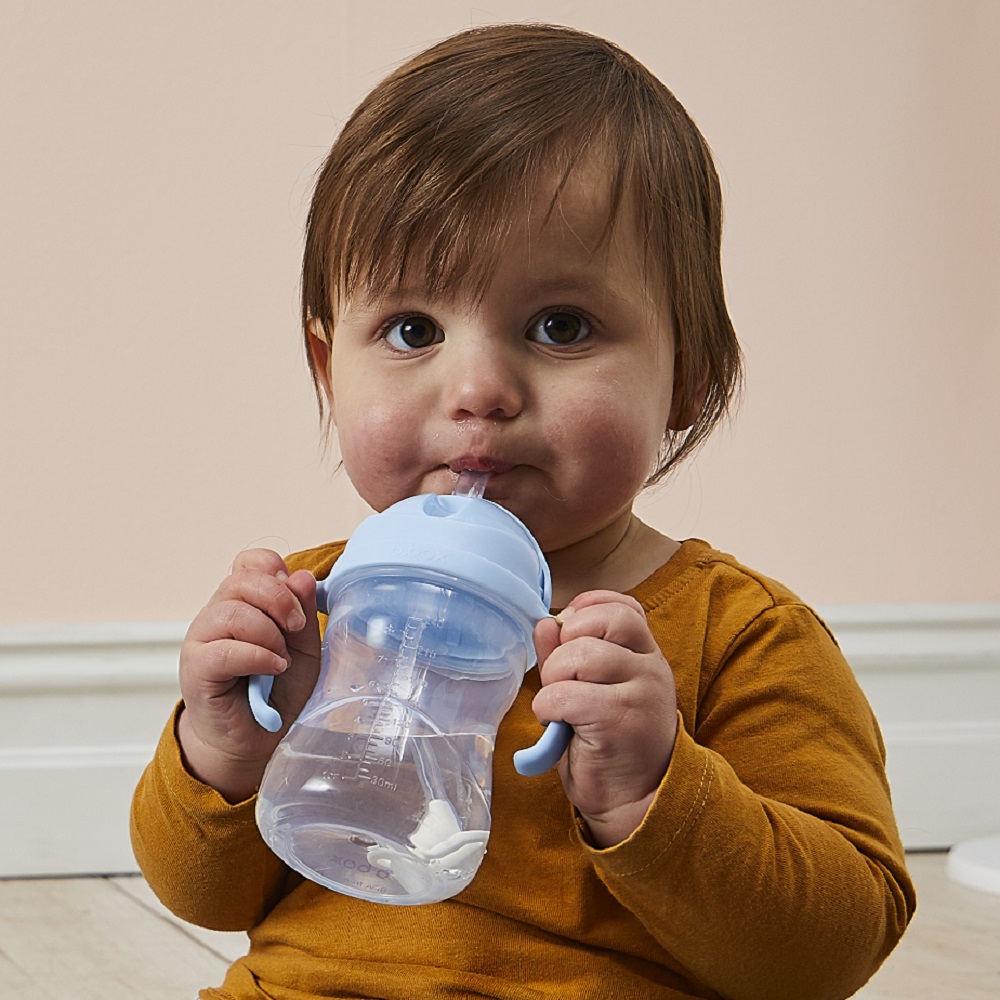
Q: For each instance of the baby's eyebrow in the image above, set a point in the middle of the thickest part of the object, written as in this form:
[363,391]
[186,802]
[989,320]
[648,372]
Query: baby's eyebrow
[369,300]
[551,288]
[574,284]
[363,303]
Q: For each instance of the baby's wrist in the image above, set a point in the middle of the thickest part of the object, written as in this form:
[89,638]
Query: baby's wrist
[616,825]
[235,779]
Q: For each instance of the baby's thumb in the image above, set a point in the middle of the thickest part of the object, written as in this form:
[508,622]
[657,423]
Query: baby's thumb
[307,640]
[546,639]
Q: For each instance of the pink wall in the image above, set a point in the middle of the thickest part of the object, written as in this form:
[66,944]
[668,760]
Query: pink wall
[156,167]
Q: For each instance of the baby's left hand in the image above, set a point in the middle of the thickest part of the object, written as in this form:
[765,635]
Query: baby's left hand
[603,673]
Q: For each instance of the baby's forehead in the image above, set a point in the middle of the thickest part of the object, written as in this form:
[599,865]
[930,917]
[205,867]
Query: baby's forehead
[453,249]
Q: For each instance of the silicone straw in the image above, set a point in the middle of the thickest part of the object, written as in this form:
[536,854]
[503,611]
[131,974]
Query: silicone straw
[553,742]
[471,484]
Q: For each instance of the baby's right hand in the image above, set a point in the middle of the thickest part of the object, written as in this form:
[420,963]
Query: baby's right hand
[259,621]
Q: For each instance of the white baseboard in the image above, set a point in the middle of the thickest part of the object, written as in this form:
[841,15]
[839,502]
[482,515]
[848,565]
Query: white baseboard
[932,675]
[81,708]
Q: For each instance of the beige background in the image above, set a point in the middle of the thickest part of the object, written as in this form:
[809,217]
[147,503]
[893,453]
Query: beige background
[156,164]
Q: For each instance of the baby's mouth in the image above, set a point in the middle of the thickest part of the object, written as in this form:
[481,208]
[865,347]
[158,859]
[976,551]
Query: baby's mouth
[479,463]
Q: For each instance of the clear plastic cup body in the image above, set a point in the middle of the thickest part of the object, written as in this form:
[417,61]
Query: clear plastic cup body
[381,788]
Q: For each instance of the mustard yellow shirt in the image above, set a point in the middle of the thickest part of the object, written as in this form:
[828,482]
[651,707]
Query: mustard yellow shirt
[767,868]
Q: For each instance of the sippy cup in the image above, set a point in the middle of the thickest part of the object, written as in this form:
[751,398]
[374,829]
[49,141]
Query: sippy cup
[381,787]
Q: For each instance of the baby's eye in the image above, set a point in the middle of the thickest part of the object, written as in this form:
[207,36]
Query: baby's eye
[560,328]
[410,333]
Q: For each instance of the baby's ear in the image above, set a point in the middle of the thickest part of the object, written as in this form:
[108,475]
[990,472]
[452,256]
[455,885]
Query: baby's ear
[319,354]
[686,406]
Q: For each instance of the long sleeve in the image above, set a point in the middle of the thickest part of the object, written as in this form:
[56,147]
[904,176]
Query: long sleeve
[202,856]
[769,864]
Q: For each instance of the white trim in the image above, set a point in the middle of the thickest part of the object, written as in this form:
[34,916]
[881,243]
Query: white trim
[883,637]
[73,758]
[81,708]
[932,675]
[84,657]
[88,634]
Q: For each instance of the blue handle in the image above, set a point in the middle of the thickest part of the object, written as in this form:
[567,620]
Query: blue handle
[261,684]
[259,692]
[546,752]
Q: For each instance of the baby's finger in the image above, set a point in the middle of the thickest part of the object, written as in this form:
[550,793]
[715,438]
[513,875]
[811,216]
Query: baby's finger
[266,592]
[307,639]
[593,660]
[224,660]
[577,703]
[302,584]
[615,618]
[546,638]
[613,710]
[262,560]
[236,619]
[268,562]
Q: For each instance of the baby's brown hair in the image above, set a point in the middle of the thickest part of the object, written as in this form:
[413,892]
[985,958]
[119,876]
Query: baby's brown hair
[428,174]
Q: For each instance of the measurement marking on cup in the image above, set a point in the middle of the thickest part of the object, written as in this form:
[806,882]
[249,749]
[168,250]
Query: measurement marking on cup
[381,753]
[385,745]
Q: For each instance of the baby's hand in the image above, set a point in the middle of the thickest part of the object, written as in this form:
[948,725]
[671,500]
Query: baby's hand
[259,621]
[603,673]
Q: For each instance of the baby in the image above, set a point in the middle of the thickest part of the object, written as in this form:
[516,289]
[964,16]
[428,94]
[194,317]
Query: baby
[512,266]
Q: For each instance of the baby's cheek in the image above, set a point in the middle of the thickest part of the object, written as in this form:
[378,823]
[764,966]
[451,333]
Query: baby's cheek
[612,435]
[376,444]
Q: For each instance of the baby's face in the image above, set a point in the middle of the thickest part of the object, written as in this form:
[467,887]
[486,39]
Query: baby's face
[558,381]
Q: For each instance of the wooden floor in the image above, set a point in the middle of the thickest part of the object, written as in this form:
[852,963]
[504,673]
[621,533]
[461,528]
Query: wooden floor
[109,939]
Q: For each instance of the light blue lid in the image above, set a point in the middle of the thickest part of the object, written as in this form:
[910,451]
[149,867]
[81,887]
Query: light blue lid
[469,538]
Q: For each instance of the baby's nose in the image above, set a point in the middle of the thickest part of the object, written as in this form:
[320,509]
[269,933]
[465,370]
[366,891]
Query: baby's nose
[485,382]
